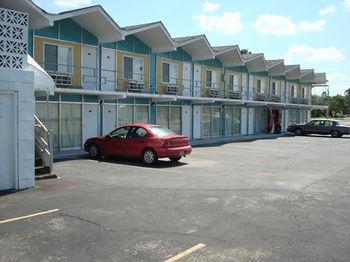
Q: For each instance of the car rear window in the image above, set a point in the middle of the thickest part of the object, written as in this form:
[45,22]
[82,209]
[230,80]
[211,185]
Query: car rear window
[161,131]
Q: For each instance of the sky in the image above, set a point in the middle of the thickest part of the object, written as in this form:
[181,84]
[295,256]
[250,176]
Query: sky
[312,33]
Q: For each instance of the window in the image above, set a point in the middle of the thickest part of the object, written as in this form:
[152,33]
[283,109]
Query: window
[205,123]
[292,91]
[71,118]
[211,79]
[133,68]
[141,114]
[125,114]
[273,88]
[161,131]
[139,133]
[169,117]
[170,73]
[258,84]
[233,83]
[58,58]
[121,132]
[303,92]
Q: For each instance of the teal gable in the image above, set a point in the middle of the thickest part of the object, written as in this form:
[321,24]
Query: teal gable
[30,42]
[88,38]
[212,62]
[134,45]
[179,54]
[261,73]
[240,69]
[70,31]
[51,32]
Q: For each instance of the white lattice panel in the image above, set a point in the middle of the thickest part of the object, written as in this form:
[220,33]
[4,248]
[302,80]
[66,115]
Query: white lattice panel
[13,38]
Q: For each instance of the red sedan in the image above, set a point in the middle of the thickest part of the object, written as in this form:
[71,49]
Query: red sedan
[149,142]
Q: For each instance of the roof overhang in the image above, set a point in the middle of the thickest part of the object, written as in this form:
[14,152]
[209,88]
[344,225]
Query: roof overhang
[230,56]
[198,47]
[307,76]
[95,20]
[292,72]
[37,17]
[320,79]
[154,35]
[277,68]
[255,63]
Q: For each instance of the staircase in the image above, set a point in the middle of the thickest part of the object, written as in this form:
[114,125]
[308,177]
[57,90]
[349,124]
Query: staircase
[43,151]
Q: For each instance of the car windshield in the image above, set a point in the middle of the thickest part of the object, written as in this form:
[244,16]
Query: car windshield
[161,131]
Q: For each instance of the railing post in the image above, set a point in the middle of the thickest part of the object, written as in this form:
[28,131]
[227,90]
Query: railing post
[50,145]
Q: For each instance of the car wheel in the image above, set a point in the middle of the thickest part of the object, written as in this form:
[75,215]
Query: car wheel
[149,157]
[175,159]
[335,133]
[94,152]
[298,132]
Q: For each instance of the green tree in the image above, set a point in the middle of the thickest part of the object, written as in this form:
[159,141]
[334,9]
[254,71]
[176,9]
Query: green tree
[347,100]
[245,51]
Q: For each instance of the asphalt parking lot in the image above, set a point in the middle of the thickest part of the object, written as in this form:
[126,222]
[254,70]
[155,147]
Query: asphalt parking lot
[284,199]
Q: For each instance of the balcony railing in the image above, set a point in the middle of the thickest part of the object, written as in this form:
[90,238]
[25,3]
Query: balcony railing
[68,76]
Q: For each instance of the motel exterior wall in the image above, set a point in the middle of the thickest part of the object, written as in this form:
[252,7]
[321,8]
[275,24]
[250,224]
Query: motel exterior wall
[76,115]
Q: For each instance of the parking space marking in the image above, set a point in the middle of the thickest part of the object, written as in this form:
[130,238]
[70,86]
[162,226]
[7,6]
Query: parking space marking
[185,253]
[29,216]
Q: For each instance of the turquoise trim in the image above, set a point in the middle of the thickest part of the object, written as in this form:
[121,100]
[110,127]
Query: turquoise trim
[30,42]
[128,100]
[212,62]
[241,69]
[260,74]
[70,31]
[153,73]
[51,32]
[153,115]
[176,103]
[278,77]
[91,99]
[186,102]
[179,55]
[110,45]
[54,98]
[142,101]
[88,38]
[134,45]
[71,98]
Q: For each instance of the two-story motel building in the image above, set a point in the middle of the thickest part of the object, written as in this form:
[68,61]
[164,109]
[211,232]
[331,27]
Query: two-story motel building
[107,76]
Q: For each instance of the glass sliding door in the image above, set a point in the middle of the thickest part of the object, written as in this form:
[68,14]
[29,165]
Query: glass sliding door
[205,126]
[163,116]
[236,121]
[216,121]
[228,121]
[175,119]
[71,134]
[141,114]
[125,115]
[50,120]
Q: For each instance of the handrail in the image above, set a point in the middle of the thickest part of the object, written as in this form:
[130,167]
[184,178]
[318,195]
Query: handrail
[44,143]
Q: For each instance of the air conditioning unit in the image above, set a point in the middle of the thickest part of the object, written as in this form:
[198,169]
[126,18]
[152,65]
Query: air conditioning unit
[212,92]
[62,79]
[234,95]
[260,97]
[172,89]
[134,86]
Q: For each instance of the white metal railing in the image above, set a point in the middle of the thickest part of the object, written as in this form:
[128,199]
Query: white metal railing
[44,143]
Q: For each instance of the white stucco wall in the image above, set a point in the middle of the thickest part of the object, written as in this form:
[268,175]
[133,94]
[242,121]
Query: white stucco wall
[22,84]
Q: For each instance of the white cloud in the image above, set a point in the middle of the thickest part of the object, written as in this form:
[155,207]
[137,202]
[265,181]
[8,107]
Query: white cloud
[72,3]
[229,23]
[327,10]
[304,53]
[347,5]
[270,24]
[312,26]
[210,7]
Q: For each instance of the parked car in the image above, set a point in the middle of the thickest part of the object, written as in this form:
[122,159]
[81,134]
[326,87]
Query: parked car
[148,142]
[322,126]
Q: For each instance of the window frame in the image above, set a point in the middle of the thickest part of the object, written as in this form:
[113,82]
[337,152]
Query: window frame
[133,73]
[70,67]
[169,76]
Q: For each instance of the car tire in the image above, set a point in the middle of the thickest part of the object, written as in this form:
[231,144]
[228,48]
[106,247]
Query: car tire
[149,157]
[175,159]
[298,132]
[335,133]
[94,152]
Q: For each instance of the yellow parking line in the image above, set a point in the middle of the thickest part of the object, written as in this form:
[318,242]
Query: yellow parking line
[29,216]
[185,253]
